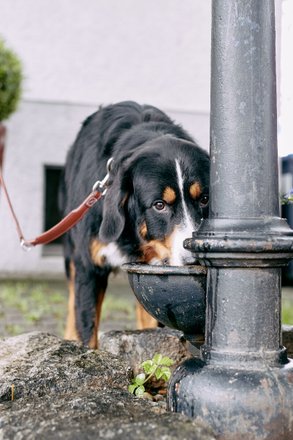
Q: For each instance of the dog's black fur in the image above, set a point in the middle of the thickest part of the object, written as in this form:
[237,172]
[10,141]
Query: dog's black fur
[143,202]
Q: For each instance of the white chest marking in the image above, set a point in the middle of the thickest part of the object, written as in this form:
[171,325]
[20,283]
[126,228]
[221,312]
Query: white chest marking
[113,256]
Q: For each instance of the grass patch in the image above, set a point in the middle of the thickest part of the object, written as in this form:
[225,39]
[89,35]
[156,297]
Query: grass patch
[27,306]
[30,305]
[113,305]
[287,312]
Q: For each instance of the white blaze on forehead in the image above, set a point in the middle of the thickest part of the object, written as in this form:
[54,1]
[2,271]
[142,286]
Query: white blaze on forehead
[184,229]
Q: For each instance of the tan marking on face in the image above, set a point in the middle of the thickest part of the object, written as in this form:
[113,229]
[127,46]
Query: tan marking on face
[156,251]
[195,190]
[169,195]
[143,230]
[95,249]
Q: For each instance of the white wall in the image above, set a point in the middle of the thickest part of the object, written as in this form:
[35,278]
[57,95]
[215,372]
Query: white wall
[101,51]
[286,81]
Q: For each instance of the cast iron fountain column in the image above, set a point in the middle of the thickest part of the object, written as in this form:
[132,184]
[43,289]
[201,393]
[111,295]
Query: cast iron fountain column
[243,384]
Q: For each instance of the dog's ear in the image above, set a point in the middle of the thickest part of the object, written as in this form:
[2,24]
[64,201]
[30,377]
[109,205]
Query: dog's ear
[113,210]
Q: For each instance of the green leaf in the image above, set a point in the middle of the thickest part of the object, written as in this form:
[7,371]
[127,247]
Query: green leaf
[157,358]
[140,378]
[148,366]
[166,375]
[166,361]
[132,388]
[152,369]
[163,373]
[159,373]
[139,391]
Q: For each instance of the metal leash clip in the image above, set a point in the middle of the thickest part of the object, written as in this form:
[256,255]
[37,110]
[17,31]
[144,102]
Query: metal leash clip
[25,245]
[100,185]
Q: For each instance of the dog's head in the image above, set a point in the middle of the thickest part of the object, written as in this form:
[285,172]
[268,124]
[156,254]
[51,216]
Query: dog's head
[157,197]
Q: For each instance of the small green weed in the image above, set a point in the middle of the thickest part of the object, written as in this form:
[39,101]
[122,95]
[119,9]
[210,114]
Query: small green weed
[157,367]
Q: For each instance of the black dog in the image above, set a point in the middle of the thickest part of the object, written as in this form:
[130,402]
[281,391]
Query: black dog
[157,195]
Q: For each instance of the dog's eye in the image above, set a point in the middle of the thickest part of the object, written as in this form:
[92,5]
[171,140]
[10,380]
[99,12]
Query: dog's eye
[204,200]
[159,205]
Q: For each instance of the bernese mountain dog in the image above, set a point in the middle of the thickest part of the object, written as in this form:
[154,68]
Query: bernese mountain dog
[156,197]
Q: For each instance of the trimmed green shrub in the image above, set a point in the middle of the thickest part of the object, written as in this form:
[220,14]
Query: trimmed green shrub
[10,81]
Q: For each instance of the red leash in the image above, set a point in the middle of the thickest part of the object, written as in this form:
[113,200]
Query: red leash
[71,219]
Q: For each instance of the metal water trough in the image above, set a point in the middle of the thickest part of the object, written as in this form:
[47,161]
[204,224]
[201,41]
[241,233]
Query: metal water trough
[174,295]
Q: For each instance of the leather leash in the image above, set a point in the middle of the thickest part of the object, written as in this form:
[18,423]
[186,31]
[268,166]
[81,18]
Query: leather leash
[99,190]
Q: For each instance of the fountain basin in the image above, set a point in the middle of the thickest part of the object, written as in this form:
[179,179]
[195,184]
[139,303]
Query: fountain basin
[174,295]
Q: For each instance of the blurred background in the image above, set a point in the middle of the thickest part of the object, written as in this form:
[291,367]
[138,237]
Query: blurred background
[77,55]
